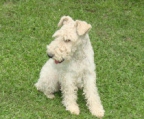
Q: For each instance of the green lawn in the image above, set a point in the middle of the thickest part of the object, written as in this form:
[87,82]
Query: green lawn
[117,36]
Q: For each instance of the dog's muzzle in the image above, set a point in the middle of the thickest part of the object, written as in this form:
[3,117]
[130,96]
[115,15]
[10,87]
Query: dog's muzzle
[56,61]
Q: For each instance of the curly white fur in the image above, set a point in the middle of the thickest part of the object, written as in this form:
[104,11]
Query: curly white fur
[71,67]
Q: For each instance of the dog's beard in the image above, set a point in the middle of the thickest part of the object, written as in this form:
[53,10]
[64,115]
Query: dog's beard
[58,62]
[61,59]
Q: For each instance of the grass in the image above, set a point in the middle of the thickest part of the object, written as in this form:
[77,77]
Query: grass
[117,36]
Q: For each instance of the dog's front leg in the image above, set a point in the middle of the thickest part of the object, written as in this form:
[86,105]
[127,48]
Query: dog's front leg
[92,96]
[69,93]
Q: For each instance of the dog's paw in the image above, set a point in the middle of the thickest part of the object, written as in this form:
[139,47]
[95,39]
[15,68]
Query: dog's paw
[50,96]
[37,87]
[74,109]
[98,113]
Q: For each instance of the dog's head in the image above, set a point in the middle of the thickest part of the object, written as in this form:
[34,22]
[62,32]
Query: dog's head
[68,39]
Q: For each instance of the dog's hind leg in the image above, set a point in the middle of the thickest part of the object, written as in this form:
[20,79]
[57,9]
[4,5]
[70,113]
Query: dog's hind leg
[48,81]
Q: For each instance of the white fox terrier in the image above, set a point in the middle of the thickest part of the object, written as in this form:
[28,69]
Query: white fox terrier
[71,66]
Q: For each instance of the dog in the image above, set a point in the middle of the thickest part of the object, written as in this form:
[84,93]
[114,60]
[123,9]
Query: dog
[71,66]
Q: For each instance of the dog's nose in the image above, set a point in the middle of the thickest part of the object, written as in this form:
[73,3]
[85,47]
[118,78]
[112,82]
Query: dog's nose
[50,55]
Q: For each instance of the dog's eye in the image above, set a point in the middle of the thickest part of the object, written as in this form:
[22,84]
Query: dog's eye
[67,40]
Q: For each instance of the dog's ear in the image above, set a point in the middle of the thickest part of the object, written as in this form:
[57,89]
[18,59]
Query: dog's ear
[64,20]
[82,27]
